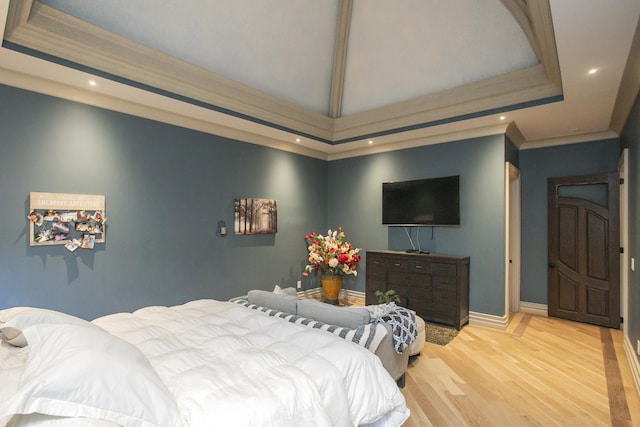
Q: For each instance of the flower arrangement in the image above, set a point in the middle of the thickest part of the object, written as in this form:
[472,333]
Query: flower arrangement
[331,254]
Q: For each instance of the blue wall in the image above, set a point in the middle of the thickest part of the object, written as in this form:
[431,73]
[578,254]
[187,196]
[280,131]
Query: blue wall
[630,139]
[166,188]
[536,166]
[355,200]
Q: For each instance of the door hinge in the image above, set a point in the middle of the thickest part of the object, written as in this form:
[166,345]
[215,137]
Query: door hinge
[621,181]
[621,319]
[621,250]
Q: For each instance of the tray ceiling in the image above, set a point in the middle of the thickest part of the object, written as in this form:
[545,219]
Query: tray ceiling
[329,78]
[334,71]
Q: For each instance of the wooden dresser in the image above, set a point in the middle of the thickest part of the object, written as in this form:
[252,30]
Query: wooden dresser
[435,286]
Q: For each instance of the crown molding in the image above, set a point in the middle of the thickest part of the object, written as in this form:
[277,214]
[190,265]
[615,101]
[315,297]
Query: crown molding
[36,26]
[36,75]
[42,28]
[572,139]
[418,138]
[492,94]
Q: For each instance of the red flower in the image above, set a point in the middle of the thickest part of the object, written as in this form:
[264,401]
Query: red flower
[331,253]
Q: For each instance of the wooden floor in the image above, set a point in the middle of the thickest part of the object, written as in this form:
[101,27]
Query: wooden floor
[538,372]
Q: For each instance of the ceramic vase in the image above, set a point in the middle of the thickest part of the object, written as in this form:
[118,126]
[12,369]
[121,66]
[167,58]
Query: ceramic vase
[331,285]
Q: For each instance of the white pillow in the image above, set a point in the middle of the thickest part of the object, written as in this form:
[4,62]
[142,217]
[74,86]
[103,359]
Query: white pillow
[40,420]
[286,291]
[9,313]
[14,320]
[83,371]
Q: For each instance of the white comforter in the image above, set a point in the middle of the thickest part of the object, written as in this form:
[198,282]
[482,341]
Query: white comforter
[228,365]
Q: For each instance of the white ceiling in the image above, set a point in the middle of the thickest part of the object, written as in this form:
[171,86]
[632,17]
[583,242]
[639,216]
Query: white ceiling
[396,50]
[413,72]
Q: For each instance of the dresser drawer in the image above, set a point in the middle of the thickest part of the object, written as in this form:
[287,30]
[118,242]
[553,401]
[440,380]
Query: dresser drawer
[442,315]
[396,264]
[376,277]
[408,279]
[443,269]
[418,267]
[376,264]
[413,294]
[420,306]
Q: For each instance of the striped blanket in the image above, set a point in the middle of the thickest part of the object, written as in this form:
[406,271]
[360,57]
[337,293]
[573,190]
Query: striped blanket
[368,336]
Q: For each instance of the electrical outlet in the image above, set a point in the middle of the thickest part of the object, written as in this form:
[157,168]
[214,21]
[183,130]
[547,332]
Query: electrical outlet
[299,284]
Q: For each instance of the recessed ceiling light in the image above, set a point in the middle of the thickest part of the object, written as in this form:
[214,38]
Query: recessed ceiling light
[370,142]
[593,71]
[503,117]
[297,139]
[92,83]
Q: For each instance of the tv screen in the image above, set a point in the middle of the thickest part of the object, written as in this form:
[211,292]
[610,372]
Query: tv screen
[433,201]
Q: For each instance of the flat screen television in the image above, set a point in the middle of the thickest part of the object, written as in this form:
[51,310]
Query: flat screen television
[432,201]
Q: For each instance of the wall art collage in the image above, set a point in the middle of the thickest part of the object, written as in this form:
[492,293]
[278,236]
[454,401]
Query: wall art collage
[73,220]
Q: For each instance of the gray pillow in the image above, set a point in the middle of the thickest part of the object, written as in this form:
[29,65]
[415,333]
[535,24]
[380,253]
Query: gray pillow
[347,317]
[286,303]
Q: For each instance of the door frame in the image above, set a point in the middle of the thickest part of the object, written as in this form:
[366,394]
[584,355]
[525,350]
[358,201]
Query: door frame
[512,238]
[623,173]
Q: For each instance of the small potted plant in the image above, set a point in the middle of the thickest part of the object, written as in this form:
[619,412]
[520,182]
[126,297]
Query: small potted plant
[387,296]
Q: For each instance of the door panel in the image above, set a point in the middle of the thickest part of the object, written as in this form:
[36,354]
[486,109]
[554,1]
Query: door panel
[597,265]
[583,273]
[567,237]
[567,294]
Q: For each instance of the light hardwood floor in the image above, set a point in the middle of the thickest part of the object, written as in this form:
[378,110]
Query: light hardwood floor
[538,372]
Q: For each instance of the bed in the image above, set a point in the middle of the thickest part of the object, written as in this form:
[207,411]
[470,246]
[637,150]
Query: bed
[202,363]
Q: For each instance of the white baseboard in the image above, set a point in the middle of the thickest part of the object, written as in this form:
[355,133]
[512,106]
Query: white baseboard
[534,308]
[310,293]
[632,359]
[344,293]
[355,295]
[488,320]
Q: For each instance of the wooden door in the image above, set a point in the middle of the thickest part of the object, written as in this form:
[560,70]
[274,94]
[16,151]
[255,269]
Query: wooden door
[584,271]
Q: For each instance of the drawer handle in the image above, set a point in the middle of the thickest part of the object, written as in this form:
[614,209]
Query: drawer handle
[418,267]
[396,264]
